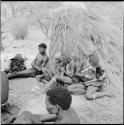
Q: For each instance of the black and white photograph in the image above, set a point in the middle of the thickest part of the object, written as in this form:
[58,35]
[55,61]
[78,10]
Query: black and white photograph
[61,62]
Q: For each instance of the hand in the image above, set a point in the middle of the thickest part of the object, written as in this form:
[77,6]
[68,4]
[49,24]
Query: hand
[44,69]
[62,70]
[14,72]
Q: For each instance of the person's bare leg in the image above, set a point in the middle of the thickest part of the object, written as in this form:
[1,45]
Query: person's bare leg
[93,94]
[64,79]
[77,88]
[44,81]
[102,94]
[79,91]
[22,74]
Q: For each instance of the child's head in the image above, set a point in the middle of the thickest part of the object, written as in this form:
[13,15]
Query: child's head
[58,98]
[57,57]
[42,48]
[94,60]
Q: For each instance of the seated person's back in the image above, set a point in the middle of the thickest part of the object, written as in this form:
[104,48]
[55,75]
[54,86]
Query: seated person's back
[58,101]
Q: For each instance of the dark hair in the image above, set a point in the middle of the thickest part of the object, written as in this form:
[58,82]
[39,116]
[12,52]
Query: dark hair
[60,96]
[43,45]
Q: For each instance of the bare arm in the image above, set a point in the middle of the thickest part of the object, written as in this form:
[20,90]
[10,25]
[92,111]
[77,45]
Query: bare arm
[71,74]
[82,73]
[93,83]
[28,117]
[33,63]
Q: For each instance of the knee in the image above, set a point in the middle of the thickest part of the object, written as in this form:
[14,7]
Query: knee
[83,86]
[56,76]
[38,78]
[88,96]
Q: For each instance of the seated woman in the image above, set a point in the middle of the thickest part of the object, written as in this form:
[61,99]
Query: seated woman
[95,86]
[79,87]
[65,73]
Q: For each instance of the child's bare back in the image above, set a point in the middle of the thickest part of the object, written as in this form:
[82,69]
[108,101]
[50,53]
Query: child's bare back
[70,117]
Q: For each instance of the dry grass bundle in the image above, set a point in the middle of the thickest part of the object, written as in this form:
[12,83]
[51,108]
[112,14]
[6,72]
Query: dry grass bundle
[80,31]
[19,28]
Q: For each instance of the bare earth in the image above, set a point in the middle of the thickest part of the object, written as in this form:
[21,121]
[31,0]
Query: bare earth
[26,94]
[104,110]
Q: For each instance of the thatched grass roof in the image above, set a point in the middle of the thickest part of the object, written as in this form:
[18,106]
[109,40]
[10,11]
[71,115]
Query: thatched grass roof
[78,30]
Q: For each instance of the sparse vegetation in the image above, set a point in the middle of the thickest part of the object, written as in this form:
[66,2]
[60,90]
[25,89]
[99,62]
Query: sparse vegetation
[19,28]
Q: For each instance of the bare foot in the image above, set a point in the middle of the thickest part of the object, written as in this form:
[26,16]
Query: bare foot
[111,94]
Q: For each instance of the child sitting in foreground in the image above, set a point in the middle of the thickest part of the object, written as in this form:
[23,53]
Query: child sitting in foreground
[58,103]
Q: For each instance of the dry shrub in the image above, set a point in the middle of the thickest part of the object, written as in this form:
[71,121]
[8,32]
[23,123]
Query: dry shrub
[19,28]
[80,31]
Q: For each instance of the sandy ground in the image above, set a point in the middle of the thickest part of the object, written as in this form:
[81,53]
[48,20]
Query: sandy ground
[22,93]
[104,110]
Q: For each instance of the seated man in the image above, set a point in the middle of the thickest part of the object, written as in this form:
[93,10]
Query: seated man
[55,70]
[95,86]
[78,87]
[27,117]
[38,65]
[58,103]
[68,72]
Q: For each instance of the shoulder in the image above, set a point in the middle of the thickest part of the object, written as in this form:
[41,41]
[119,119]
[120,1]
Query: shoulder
[38,55]
[45,56]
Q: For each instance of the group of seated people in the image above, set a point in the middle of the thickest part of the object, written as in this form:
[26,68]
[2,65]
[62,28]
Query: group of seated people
[72,73]
[69,76]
